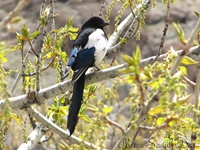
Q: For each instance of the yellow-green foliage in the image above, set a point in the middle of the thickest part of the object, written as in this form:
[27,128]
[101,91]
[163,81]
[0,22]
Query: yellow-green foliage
[125,4]
[171,113]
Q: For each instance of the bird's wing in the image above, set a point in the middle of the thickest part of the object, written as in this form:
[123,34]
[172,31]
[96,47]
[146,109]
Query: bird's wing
[85,59]
[79,44]
[72,57]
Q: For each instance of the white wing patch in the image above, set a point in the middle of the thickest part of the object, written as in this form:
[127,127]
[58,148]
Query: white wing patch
[99,41]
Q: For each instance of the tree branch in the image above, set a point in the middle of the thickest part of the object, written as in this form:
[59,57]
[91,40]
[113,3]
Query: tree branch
[109,121]
[155,98]
[28,99]
[33,138]
[130,18]
[37,134]
[165,30]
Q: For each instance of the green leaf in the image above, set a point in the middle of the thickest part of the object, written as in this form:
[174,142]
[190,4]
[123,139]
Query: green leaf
[35,34]
[122,40]
[137,56]
[156,110]
[16,19]
[62,111]
[92,108]
[179,31]
[72,29]
[19,37]
[130,78]
[73,36]
[25,32]
[2,58]
[55,116]
[160,121]
[156,83]
[43,20]
[197,14]
[183,100]
[93,88]
[86,118]
[187,121]
[172,123]
[17,119]
[128,59]
[188,61]
[130,69]
[62,121]
[107,109]
[183,69]
[63,56]
[70,20]
[48,55]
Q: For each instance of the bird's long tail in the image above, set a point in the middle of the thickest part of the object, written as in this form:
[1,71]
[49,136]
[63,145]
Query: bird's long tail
[74,108]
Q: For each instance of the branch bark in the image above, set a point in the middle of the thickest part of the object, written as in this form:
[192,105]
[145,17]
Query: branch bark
[28,99]
[39,131]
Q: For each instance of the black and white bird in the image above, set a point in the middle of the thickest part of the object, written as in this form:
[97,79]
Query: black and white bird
[89,49]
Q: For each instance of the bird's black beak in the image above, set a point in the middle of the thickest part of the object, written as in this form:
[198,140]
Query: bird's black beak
[106,23]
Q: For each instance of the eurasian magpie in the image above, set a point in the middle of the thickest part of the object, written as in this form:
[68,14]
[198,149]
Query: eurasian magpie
[89,49]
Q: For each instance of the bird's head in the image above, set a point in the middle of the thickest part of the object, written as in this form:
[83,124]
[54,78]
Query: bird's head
[95,22]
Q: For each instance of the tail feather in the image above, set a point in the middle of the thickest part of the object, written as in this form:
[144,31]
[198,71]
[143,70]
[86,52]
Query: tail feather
[77,99]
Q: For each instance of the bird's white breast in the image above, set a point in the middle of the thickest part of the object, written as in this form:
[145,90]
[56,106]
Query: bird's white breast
[99,41]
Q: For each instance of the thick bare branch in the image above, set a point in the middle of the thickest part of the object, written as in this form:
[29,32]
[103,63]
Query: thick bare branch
[37,134]
[26,100]
[33,138]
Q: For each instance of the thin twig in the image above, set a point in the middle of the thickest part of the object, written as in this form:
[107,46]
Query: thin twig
[114,58]
[189,144]
[153,128]
[108,120]
[39,56]
[32,49]
[190,82]
[164,31]
[25,59]
[47,139]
